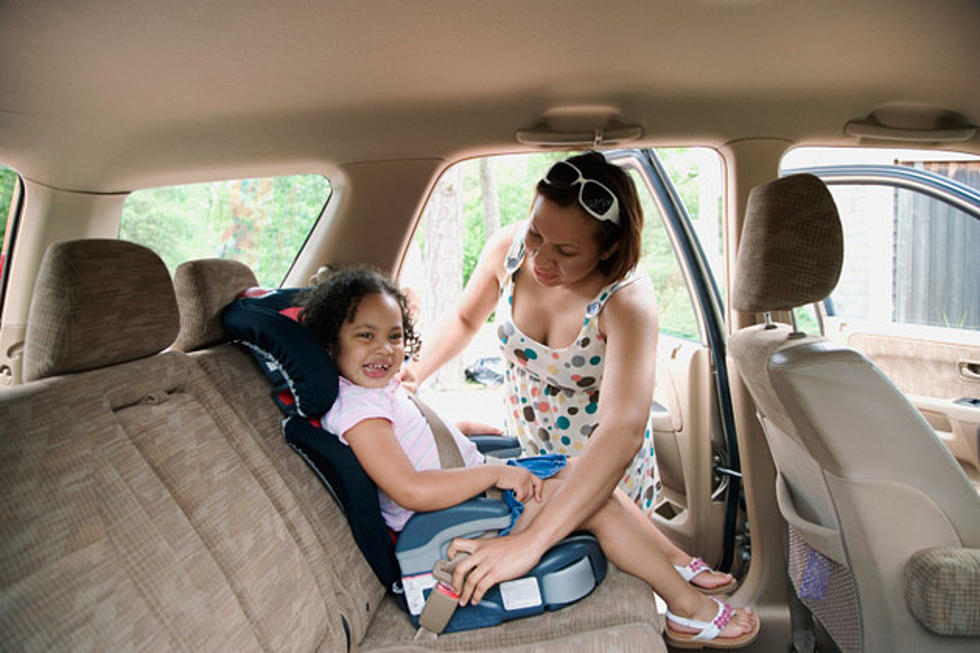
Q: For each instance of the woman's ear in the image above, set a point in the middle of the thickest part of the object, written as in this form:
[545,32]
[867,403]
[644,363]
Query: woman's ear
[610,252]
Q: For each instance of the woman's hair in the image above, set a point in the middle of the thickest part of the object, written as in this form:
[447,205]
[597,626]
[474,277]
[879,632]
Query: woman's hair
[335,298]
[628,232]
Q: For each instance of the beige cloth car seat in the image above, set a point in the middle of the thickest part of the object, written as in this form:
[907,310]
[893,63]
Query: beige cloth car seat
[862,482]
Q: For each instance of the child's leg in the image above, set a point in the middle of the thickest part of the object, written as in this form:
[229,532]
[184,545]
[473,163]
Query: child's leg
[635,546]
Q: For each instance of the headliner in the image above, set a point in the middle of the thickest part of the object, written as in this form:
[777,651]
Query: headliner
[108,96]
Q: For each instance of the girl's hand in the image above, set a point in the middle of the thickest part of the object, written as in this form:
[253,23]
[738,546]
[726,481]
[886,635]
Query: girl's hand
[523,483]
[408,379]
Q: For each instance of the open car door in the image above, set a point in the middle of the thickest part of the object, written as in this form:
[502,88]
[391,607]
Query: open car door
[909,293]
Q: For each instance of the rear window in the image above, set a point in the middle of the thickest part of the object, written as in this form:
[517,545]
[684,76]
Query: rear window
[260,222]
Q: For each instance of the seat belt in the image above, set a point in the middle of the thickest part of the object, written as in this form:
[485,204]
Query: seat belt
[449,456]
[443,599]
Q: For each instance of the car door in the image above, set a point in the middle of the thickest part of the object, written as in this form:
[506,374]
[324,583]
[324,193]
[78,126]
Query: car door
[697,454]
[909,293]
[693,434]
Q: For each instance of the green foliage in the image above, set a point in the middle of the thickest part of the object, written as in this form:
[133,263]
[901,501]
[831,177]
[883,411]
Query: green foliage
[676,313]
[516,177]
[806,319]
[8,182]
[260,222]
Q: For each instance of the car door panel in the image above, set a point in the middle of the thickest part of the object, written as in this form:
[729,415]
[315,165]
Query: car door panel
[939,378]
[687,512]
[906,298]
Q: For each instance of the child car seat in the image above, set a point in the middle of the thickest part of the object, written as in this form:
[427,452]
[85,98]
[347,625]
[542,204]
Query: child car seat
[304,380]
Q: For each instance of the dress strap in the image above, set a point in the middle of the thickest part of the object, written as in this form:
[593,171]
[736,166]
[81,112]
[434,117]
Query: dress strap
[595,306]
[515,255]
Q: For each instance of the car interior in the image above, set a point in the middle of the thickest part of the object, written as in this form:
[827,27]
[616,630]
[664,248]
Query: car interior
[810,179]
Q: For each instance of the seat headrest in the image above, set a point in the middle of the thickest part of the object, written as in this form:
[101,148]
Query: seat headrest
[204,287]
[303,375]
[97,303]
[792,246]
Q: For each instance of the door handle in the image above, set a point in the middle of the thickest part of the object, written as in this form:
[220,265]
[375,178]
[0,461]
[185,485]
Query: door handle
[969,369]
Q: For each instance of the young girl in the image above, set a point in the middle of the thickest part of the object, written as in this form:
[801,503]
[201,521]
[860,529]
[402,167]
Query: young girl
[363,321]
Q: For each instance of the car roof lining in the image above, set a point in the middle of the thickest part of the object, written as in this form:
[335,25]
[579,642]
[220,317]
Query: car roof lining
[150,93]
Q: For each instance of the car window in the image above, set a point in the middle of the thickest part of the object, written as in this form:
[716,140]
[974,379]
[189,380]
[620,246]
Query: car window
[675,313]
[909,256]
[260,222]
[696,173]
[471,200]
[9,185]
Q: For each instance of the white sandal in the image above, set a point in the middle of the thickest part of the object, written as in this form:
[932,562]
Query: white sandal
[697,566]
[708,630]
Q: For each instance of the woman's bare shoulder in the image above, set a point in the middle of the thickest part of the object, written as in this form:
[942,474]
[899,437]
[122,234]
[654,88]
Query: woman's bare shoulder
[631,304]
[495,251]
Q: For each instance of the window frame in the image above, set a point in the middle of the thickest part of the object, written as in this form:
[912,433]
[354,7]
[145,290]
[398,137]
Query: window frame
[941,188]
[707,304]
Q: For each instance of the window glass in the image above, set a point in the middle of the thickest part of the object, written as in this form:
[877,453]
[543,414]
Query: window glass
[471,200]
[475,197]
[696,173]
[675,312]
[909,257]
[260,222]
[9,182]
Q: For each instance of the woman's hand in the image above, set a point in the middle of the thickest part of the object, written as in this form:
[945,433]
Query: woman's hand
[491,561]
[478,428]
[523,483]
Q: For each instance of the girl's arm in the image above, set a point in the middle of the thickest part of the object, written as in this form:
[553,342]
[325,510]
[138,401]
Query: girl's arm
[456,329]
[629,321]
[378,451]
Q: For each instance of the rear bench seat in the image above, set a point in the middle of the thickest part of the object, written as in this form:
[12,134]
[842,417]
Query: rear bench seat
[149,502]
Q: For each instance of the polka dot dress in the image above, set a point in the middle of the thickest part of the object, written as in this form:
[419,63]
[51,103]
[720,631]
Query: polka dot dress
[552,395]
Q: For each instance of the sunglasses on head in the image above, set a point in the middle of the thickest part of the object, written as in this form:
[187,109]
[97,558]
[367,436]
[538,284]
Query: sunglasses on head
[595,198]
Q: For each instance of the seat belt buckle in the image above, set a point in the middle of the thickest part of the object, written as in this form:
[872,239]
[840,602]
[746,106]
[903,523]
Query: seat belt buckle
[443,599]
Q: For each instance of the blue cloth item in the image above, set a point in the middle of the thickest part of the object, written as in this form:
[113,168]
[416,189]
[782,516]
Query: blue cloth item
[544,466]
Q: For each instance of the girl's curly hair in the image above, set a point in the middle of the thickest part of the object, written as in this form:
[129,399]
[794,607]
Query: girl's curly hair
[334,300]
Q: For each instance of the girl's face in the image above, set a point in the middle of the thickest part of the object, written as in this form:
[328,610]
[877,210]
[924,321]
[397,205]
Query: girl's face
[560,243]
[371,347]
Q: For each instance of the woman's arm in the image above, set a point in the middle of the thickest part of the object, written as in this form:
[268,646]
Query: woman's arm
[380,454]
[629,321]
[456,329]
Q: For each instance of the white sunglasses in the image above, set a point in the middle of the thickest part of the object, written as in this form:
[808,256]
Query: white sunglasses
[594,197]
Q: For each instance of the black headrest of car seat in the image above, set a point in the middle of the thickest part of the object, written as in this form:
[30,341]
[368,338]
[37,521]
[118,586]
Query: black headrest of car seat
[265,321]
[304,380]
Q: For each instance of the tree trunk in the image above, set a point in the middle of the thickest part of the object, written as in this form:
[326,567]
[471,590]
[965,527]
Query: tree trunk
[442,260]
[491,204]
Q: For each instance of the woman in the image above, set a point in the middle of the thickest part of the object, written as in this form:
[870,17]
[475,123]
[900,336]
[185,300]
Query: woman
[578,326]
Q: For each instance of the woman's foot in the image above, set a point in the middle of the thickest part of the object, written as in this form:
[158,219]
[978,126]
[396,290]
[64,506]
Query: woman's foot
[714,624]
[703,577]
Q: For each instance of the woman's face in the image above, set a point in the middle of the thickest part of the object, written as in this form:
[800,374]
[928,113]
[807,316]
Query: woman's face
[561,243]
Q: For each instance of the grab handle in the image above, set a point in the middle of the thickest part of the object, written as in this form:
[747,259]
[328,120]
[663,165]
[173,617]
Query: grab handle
[969,369]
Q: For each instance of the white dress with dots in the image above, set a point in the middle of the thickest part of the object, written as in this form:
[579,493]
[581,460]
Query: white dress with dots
[552,395]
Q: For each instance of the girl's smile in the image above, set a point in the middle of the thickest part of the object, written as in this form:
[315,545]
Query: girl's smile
[371,346]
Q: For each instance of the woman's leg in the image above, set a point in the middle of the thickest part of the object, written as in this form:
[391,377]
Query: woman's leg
[706,580]
[636,547]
